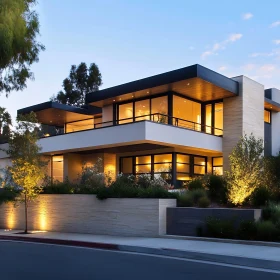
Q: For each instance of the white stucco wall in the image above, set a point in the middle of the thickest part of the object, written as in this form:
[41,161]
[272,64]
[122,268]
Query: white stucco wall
[275,123]
[107,115]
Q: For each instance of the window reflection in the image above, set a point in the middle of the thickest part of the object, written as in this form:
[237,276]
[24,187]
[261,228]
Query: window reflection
[126,113]
[218,118]
[160,109]
[187,112]
[142,110]
[208,118]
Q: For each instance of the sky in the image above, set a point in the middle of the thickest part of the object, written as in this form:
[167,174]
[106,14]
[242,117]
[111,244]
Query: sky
[134,39]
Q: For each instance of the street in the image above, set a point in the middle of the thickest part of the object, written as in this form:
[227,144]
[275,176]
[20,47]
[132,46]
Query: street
[22,261]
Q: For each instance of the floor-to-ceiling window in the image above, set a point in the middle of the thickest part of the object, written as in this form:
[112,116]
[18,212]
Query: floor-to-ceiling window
[57,168]
[161,165]
[219,118]
[186,113]
[154,108]
[217,165]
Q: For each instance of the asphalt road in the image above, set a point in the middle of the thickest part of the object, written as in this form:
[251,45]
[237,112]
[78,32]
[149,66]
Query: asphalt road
[20,261]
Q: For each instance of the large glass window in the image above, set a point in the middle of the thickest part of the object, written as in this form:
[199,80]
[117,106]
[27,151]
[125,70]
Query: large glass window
[219,118]
[127,165]
[183,167]
[57,168]
[267,116]
[159,109]
[186,113]
[126,113]
[79,125]
[208,118]
[217,165]
[199,166]
[142,110]
[143,164]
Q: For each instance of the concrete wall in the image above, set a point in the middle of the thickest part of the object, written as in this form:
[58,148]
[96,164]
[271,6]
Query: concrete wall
[275,123]
[186,220]
[87,214]
[243,114]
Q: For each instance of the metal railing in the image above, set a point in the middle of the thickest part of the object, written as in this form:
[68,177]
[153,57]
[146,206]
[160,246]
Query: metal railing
[156,117]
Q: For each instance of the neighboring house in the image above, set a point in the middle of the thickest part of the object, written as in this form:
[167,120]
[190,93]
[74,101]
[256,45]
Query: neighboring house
[178,125]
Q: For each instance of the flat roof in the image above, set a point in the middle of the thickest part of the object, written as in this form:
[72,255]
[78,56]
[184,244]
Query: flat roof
[271,105]
[194,81]
[54,113]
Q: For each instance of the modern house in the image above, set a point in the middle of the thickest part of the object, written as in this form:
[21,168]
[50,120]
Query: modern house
[178,124]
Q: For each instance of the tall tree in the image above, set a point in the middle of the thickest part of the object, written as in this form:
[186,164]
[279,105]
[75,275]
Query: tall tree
[27,167]
[19,27]
[81,81]
[5,125]
[246,168]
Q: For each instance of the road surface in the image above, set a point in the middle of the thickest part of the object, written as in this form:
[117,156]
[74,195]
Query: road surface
[30,261]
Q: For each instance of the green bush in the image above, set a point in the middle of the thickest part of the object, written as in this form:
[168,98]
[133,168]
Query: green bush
[8,194]
[271,213]
[59,188]
[197,194]
[247,230]
[217,188]
[220,228]
[260,197]
[203,202]
[267,231]
[185,200]
[195,184]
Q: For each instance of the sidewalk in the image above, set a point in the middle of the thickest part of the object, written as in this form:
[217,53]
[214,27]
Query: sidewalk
[238,254]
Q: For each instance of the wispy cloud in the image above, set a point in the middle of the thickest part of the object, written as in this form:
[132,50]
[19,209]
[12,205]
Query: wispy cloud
[275,24]
[277,42]
[222,45]
[247,16]
[222,68]
[274,53]
[261,54]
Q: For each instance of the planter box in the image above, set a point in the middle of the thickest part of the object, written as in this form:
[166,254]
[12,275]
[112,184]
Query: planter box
[87,214]
[185,220]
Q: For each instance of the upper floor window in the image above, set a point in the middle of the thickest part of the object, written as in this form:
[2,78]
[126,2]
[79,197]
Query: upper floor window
[267,116]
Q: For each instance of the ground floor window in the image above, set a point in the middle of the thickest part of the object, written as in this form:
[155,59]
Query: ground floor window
[172,167]
[217,165]
[57,168]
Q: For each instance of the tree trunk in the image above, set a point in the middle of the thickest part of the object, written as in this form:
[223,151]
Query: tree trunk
[25,204]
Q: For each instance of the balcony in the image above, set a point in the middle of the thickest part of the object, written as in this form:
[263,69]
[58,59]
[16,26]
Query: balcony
[155,131]
[89,124]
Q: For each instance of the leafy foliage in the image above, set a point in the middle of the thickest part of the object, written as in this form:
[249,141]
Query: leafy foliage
[246,164]
[271,212]
[260,196]
[81,81]
[5,125]
[27,166]
[217,188]
[195,184]
[19,27]
[220,228]
[203,202]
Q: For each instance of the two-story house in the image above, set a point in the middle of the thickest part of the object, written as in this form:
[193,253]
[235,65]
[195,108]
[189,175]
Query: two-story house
[178,125]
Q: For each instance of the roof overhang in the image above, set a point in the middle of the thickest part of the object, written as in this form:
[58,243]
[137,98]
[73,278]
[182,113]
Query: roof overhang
[194,81]
[271,105]
[54,113]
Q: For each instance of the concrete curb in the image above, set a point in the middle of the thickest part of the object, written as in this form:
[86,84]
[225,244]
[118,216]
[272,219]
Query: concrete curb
[220,240]
[233,260]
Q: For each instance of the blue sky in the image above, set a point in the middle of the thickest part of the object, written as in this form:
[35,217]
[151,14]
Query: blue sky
[134,39]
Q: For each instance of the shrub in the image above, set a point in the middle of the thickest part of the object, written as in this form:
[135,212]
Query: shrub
[271,212]
[247,230]
[220,228]
[8,194]
[185,200]
[203,202]
[267,231]
[260,196]
[217,188]
[197,194]
[59,188]
[195,184]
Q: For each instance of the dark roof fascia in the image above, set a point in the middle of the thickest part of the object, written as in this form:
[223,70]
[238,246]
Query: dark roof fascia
[91,110]
[193,71]
[272,102]
[268,93]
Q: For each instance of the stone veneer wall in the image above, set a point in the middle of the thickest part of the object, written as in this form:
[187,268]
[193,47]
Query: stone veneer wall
[243,114]
[87,214]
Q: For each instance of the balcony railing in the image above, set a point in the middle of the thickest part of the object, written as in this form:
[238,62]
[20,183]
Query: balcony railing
[156,117]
